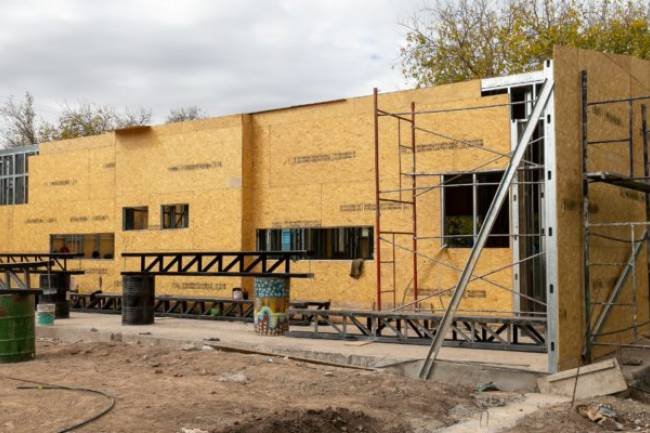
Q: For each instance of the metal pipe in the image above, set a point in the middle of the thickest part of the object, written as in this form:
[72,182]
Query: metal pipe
[585,219]
[646,173]
[474,107]
[630,113]
[615,101]
[634,288]
[377,207]
[415,209]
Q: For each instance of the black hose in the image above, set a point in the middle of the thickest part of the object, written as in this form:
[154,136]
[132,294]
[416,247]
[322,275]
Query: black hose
[48,386]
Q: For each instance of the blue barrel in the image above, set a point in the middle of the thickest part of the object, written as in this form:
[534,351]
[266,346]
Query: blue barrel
[271,305]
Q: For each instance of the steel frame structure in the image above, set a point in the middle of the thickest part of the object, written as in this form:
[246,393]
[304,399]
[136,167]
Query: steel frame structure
[190,307]
[15,265]
[524,334]
[58,261]
[541,109]
[218,264]
[631,181]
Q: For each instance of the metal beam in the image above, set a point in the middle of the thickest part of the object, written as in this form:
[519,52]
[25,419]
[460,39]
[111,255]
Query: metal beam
[490,218]
[586,279]
[217,263]
[620,282]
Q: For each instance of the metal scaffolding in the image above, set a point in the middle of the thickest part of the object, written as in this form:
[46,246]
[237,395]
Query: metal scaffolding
[408,191]
[635,239]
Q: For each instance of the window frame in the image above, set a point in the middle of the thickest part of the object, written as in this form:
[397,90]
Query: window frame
[79,240]
[14,171]
[343,242]
[185,216]
[475,185]
[125,209]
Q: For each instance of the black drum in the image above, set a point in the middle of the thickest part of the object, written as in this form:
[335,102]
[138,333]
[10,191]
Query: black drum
[138,295]
[55,286]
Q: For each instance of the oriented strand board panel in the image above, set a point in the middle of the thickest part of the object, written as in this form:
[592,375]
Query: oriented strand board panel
[314,167]
[309,166]
[609,77]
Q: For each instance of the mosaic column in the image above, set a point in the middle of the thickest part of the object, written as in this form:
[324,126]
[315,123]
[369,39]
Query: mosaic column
[271,305]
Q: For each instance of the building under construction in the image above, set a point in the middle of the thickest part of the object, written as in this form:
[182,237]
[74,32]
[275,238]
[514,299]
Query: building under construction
[389,194]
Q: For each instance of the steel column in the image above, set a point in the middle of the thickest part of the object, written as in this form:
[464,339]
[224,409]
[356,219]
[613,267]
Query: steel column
[585,219]
[377,203]
[414,200]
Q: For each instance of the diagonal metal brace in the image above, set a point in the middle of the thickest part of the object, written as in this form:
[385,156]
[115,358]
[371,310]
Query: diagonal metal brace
[620,282]
[490,218]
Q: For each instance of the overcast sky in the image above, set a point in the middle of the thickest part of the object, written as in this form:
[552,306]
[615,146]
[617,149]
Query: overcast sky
[224,56]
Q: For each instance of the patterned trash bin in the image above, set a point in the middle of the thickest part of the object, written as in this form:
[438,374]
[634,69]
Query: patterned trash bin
[271,305]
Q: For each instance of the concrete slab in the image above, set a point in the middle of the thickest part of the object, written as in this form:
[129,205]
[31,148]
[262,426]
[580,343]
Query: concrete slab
[593,380]
[502,418]
[512,371]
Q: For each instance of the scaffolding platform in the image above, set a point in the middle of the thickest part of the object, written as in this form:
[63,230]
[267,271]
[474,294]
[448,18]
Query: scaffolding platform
[619,180]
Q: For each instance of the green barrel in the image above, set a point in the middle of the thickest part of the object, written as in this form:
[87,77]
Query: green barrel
[17,339]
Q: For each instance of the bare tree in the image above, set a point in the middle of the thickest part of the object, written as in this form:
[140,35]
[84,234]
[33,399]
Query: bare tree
[91,119]
[139,117]
[20,122]
[183,114]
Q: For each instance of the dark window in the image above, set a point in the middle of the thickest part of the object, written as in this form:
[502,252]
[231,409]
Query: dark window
[466,200]
[14,175]
[135,218]
[91,245]
[522,100]
[342,243]
[175,216]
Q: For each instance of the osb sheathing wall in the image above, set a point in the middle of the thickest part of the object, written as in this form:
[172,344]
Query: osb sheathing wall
[609,77]
[314,167]
[309,166]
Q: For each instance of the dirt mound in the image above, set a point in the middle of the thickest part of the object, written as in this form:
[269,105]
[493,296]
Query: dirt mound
[330,420]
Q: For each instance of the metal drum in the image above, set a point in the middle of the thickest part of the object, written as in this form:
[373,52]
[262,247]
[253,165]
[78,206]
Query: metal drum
[138,296]
[17,338]
[55,288]
[271,305]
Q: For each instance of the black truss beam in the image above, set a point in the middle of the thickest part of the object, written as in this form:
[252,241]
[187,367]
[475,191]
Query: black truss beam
[31,266]
[58,261]
[524,334]
[192,307]
[218,264]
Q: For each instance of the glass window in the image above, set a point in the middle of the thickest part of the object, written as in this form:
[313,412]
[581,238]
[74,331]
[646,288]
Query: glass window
[175,216]
[135,218]
[91,245]
[14,175]
[342,243]
[466,200]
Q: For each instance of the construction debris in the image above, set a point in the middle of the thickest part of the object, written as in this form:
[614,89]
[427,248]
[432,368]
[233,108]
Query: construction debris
[602,414]
[238,377]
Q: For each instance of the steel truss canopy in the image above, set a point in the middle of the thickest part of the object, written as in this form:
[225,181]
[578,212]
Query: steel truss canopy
[39,262]
[218,264]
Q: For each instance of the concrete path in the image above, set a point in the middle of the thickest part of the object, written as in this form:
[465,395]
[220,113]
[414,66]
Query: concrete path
[468,366]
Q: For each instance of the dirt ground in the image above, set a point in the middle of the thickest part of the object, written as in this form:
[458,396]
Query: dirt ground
[160,389]
[632,415]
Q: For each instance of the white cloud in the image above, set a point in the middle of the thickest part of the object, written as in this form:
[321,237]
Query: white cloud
[224,56]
